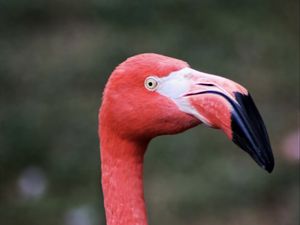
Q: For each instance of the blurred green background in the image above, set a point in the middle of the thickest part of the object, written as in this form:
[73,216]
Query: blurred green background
[55,57]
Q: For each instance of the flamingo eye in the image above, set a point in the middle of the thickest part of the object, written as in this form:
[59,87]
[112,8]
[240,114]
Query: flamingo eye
[151,83]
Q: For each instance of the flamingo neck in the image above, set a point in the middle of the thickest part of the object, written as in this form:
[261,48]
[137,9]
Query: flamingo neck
[122,180]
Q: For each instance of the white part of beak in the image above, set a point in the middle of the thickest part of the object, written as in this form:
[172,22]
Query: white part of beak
[175,86]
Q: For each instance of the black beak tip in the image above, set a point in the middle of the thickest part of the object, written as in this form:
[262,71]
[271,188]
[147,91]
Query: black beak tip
[269,167]
[249,132]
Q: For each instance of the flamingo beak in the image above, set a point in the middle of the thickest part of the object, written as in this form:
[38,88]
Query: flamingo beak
[223,104]
[249,131]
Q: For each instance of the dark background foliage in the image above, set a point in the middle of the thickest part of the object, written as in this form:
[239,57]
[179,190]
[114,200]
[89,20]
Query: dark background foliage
[55,57]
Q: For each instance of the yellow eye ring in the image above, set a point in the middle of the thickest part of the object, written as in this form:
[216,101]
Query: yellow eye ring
[151,83]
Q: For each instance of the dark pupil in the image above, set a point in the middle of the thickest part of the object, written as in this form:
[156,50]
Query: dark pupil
[150,84]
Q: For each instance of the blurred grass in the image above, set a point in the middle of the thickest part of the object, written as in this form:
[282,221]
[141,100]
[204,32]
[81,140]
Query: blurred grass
[55,57]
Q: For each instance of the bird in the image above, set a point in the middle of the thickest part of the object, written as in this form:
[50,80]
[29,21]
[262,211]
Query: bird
[149,95]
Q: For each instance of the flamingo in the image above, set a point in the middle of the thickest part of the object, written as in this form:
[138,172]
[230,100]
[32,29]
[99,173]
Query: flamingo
[150,95]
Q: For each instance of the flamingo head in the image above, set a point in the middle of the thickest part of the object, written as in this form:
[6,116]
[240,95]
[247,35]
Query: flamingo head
[150,95]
